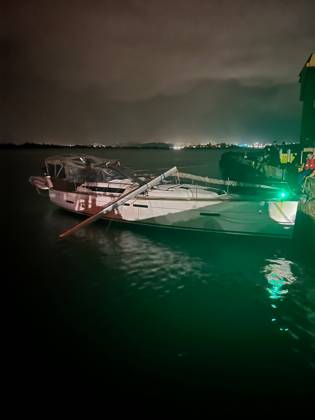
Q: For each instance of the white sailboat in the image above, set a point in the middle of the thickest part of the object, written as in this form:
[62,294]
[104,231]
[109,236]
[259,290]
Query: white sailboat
[103,188]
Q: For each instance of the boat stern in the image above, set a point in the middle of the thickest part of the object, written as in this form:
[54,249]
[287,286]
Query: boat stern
[41,183]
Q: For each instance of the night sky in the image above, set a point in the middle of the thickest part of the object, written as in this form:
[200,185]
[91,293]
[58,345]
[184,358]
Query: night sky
[149,71]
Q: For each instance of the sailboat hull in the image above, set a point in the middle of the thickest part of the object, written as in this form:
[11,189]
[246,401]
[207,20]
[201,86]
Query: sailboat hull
[230,215]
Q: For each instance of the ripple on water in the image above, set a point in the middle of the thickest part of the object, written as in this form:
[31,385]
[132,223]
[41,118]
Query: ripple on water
[145,264]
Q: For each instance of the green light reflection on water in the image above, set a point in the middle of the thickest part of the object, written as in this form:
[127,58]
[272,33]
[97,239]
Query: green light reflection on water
[278,273]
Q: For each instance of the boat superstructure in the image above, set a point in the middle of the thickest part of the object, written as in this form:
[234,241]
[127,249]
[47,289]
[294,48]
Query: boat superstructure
[103,188]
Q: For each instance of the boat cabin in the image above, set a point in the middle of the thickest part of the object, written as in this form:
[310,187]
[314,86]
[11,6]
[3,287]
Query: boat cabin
[67,172]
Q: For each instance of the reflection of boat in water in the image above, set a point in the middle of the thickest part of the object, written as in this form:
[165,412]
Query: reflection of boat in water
[102,188]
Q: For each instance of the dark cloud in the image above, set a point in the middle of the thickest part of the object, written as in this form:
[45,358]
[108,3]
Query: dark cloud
[142,70]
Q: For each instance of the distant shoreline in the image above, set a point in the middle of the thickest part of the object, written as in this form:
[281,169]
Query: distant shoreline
[162,146]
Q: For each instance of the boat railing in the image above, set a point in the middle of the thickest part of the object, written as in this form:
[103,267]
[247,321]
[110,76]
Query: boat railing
[216,181]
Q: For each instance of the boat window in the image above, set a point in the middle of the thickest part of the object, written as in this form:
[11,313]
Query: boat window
[51,169]
[56,170]
[59,171]
[141,205]
[105,189]
[80,175]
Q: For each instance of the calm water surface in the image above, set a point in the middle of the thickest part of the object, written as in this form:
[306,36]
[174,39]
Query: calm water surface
[155,309]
